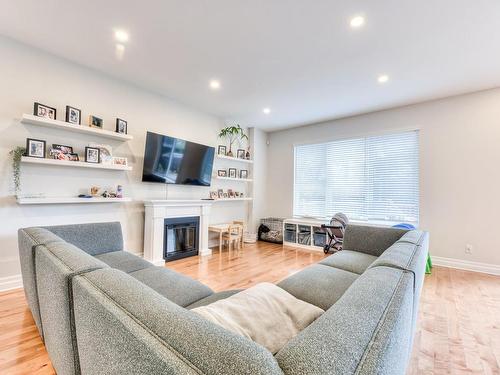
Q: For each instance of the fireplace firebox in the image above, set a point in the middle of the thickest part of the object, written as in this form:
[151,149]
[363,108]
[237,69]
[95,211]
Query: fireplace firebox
[182,237]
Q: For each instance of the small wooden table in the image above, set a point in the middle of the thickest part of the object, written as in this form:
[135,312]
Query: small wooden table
[221,229]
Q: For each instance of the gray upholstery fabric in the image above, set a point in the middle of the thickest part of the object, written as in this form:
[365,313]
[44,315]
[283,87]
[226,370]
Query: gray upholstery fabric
[319,284]
[213,298]
[370,240]
[172,285]
[366,332]
[28,240]
[93,238]
[398,255]
[56,263]
[124,261]
[413,236]
[352,261]
[124,327]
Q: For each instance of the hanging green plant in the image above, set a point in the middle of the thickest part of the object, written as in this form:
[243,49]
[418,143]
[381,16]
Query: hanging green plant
[16,154]
[232,133]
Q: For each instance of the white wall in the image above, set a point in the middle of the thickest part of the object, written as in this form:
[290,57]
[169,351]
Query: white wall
[459,168]
[28,75]
[258,139]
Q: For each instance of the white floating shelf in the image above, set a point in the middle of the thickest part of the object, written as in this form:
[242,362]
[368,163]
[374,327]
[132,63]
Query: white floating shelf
[70,200]
[231,199]
[62,125]
[234,159]
[234,179]
[76,164]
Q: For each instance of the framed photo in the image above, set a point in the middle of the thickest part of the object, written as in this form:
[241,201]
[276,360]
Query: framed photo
[119,161]
[240,154]
[92,154]
[105,153]
[63,149]
[232,172]
[42,110]
[35,148]
[236,194]
[230,193]
[214,195]
[221,150]
[225,195]
[222,173]
[243,173]
[220,193]
[95,122]
[73,115]
[73,157]
[121,126]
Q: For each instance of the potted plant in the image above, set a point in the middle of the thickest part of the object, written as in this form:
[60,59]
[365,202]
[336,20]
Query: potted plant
[232,133]
[16,154]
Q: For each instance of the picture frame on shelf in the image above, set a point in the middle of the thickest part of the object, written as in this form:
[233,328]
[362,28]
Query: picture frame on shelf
[73,157]
[73,115]
[105,153]
[118,160]
[220,193]
[222,173]
[121,126]
[214,195]
[240,153]
[92,155]
[230,193]
[221,150]
[42,110]
[244,173]
[62,148]
[232,172]
[96,122]
[35,148]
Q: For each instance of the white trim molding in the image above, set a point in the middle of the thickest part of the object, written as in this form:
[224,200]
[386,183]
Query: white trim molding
[466,265]
[11,282]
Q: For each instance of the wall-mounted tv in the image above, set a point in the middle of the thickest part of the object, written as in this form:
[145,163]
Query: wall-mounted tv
[171,160]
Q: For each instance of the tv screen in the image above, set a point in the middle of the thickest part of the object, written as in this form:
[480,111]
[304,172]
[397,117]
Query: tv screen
[176,161]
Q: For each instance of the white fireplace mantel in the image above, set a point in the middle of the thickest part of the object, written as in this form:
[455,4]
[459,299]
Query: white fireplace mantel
[156,211]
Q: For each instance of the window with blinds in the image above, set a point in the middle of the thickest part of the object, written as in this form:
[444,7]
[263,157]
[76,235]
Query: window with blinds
[368,179]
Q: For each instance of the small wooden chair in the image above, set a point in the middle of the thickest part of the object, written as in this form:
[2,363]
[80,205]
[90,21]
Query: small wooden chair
[242,223]
[234,235]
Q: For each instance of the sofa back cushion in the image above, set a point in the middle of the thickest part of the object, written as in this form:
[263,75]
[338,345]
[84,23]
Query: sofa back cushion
[93,238]
[370,239]
[368,330]
[125,327]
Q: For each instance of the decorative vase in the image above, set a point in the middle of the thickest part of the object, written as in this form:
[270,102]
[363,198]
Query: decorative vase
[229,153]
[247,155]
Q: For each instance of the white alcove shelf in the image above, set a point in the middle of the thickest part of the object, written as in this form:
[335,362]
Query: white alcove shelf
[73,164]
[71,200]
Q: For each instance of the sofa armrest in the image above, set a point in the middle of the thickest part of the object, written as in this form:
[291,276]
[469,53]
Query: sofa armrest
[370,239]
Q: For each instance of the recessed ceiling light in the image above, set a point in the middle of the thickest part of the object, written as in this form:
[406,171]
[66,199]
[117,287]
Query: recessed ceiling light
[266,110]
[214,84]
[357,21]
[383,78]
[121,36]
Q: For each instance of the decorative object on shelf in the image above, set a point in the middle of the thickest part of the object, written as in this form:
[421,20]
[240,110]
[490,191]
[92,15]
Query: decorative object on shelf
[230,193]
[214,195]
[42,110]
[73,157]
[242,195]
[121,126]
[92,154]
[62,148]
[243,173]
[232,172]
[221,150]
[117,160]
[73,115]
[236,194]
[16,154]
[94,190]
[95,122]
[232,133]
[225,195]
[220,193]
[222,173]
[247,154]
[240,153]
[105,153]
[35,148]
[119,191]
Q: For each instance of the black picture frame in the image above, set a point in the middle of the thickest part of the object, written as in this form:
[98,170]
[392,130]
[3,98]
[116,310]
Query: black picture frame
[240,153]
[232,173]
[69,119]
[119,123]
[63,148]
[29,149]
[221,150]
[37,111]
[222,173]
[87,159]
[244,173]
[96,122]
[74,157]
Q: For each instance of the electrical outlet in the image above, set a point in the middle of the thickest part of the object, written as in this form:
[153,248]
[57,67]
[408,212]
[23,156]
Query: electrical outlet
[468,249]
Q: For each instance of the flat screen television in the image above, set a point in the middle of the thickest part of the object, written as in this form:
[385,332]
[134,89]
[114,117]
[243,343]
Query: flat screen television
[171,160]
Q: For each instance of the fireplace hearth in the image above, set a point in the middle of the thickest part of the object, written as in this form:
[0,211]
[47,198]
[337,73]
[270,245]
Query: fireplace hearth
[181,237]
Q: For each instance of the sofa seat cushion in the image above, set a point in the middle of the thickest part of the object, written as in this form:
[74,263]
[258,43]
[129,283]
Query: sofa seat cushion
[319,284]
[213,298]
[124,261]
[180,289]
[352,261]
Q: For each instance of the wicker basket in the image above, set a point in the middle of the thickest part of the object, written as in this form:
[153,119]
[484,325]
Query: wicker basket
[275,225]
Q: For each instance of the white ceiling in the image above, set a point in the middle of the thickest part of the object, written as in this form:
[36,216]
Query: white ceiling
[298,57]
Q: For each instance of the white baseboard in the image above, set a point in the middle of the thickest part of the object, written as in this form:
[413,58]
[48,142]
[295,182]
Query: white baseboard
[466,265]
[10,282]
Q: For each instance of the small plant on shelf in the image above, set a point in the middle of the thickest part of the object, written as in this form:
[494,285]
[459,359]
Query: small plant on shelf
[232,133]
[16,154]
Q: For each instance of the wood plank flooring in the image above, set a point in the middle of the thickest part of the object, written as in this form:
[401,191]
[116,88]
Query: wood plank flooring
[458,328]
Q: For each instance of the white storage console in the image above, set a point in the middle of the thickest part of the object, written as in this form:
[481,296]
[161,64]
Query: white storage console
[305,233]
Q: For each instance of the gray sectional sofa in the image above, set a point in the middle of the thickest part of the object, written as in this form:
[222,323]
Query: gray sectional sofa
[102,310]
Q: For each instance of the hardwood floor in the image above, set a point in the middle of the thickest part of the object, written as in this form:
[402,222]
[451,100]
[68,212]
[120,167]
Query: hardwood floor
[458,328]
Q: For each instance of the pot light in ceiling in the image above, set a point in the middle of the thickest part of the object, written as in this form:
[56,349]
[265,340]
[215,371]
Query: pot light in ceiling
[121,36]
[383,78]
[266,110]
[357,22]
[214,84]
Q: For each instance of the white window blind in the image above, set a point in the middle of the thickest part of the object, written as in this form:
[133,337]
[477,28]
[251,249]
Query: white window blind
[368,179]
